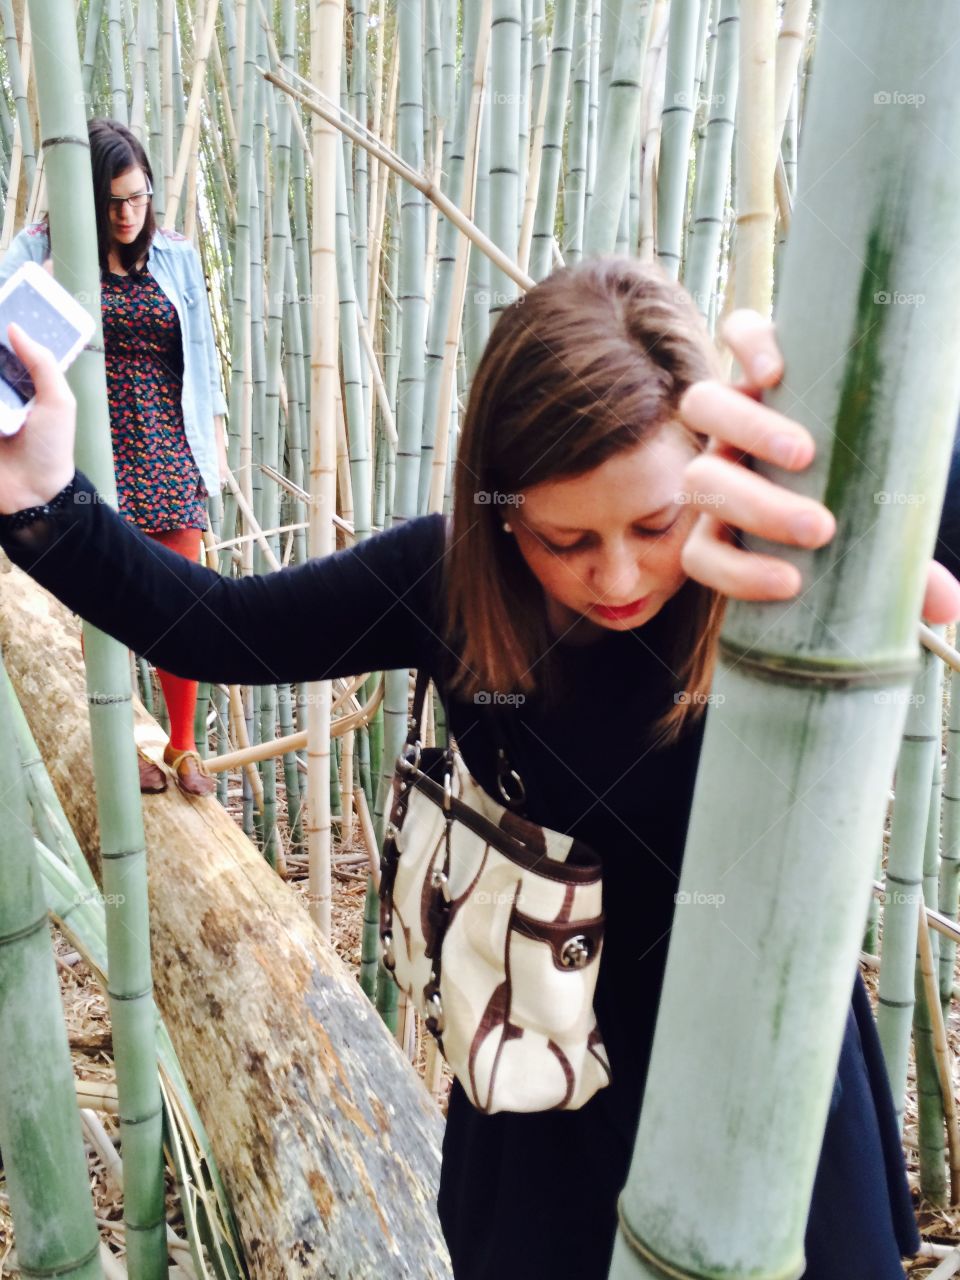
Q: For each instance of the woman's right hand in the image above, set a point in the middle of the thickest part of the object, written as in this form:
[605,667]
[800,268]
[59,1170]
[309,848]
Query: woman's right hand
[37,461]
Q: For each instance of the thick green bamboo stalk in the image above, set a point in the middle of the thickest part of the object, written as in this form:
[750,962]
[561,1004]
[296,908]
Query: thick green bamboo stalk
[703,243]
[74,239]
[118,79]
[44,1164]
[558,80]
[505,94]
[575,179]
[618,126]
[788,804]
[679,106]
[90,44]
[457,186]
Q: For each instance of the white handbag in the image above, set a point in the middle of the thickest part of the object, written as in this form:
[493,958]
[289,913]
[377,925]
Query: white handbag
[493,926]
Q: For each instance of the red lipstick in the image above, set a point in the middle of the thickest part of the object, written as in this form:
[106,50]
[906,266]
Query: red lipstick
[620,611]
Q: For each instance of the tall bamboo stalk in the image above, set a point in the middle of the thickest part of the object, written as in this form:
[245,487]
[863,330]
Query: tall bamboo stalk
[44,1165]
[756,156]
[703,242]
[679,106]
[558,80]
[904,880]
[506,94]
[950,851]
[799,792]
[73,235]
[619,121]
[19,87]
[326,41]
[575,181]
[930,1110]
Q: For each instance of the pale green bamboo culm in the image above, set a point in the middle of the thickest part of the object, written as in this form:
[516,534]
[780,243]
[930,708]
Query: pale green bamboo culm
[903,882]
[45,1168]
[73,237]
[797,760]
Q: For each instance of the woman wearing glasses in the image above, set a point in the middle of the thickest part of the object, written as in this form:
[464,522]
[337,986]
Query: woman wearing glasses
[166,406]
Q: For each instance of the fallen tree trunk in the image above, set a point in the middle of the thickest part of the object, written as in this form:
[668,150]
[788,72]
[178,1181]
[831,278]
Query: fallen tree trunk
[326,1139]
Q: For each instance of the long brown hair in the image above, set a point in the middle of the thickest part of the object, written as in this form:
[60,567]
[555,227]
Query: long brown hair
[590,363]
[114,150]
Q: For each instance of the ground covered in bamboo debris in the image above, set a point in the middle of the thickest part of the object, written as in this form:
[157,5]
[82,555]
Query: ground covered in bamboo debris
[88,1026]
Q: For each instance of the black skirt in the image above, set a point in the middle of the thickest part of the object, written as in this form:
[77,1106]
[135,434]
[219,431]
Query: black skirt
[534,1195]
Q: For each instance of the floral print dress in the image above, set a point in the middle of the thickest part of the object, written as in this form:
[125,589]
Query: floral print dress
[159,486]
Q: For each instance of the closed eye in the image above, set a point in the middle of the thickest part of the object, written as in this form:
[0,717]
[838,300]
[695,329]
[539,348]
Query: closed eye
[640,530]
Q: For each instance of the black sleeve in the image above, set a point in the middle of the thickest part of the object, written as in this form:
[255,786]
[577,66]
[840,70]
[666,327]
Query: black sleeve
[947,549]
[371,607]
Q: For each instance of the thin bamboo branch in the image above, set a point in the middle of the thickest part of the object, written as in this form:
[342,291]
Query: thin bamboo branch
[396,165]
[187,155]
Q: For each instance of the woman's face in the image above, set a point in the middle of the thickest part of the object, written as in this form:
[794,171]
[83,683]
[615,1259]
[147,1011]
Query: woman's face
[605,546]
[126,221]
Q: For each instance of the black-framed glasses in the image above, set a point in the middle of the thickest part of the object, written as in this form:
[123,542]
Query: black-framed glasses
[139,200]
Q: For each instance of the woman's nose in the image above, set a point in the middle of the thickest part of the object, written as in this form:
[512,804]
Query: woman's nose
[615,576]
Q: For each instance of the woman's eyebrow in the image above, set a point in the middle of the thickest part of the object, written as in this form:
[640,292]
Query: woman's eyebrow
[562,528]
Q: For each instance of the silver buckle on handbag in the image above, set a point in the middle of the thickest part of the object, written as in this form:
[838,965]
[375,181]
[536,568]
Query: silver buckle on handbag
[575,952]
[434,1019]
[506,774]
[440,881]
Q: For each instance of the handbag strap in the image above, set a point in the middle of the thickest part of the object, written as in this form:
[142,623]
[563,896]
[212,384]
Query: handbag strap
[509,783]
[415,720]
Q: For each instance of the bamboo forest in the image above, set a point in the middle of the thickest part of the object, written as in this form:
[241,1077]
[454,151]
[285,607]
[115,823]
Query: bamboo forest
[211,1062]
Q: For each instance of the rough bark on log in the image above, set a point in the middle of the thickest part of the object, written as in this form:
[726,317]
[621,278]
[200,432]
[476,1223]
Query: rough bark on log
[327,1141]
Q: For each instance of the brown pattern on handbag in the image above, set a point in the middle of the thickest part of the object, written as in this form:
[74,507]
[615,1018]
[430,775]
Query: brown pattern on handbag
[501,931]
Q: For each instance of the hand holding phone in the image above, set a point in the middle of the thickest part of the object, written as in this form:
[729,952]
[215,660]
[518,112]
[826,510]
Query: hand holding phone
[49,315]
[37,461]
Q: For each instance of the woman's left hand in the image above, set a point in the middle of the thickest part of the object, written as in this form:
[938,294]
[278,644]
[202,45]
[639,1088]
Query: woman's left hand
[716,481]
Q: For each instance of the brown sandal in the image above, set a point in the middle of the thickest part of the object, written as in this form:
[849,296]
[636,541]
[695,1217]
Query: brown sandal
[152,778]
[190,772]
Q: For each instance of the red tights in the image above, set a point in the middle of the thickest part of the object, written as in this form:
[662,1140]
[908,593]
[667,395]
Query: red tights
[180,695]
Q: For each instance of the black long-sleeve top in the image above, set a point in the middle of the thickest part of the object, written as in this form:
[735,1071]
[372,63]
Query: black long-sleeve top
[530,1195]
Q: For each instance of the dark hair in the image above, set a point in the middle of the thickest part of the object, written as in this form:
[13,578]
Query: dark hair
[588,364]
[114,150]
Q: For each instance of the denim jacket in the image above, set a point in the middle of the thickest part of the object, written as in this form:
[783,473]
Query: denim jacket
[175,265]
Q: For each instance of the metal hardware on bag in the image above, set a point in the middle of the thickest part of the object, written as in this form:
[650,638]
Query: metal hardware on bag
[440,881]
[410,755]
[389,959]
[575,952]
[447,792]
[434,1020]
[507,774]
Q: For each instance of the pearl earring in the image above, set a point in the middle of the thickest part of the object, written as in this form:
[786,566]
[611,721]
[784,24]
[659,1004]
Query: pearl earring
[506,527]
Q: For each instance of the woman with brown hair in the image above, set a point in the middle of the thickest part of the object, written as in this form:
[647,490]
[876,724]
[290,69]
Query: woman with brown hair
[163,388]
[568,618]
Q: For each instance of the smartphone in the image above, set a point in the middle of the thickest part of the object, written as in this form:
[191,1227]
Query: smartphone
[51,316]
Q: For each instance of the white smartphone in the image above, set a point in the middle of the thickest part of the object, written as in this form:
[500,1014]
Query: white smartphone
[51,316]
